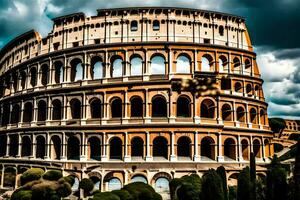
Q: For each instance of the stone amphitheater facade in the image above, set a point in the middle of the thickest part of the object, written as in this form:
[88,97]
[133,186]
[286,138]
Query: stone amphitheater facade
[94,99]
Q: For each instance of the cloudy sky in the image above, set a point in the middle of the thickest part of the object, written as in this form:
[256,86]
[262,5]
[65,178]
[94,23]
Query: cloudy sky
[274,27]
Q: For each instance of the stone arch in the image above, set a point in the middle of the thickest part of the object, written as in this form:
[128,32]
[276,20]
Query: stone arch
[55,149]
[249,89]
[136,106]
[253,116]
[226,112]
[73,148]
[97,70]
[116,107]
[157,64]
[3,145]
[77,70]
[230,148]
[240,114]
[208,108]
[40,147]
[15,114]
[257,148]
[10,175]
[137,147]
[96,108]
[26,148]
[13,145]
[247,66]
[160,147]
[238,87]
[183,63]
[159,106]
[45,74]
[183,106]
[96,177]
[42,110]
[27,113]
[23,79]
[94,148]
[232,179]
[207,63]
[208,148]
[58,72]
[262,116]
[139,178]
[237,65]
[161,183]
[75,105]
[116,68]
[184,148]
[33,76]
[57,110]
[267,148]
[223,63]
[136,65]
[245,149]
[115,148]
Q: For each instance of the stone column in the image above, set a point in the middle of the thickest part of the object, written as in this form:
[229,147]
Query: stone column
[220,157]
[63,145]
[48,146]
[197,157]
[20,145]
[148,156]
[127,157]
[33,148]
[173,157]
[82,147]
[104,156]
[240,153]
[7,146]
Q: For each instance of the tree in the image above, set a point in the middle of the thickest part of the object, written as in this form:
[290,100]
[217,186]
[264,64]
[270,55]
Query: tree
[87,185]
[31,175]
[276,188]
[277,125]
[212,188]
[296,175]
[52,175]
[244,185]
[222,173]
[253,175]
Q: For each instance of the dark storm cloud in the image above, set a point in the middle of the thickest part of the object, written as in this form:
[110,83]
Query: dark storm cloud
[288,53]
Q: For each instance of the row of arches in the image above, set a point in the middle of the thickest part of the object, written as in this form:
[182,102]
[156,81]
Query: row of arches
[160,148]
[159,108]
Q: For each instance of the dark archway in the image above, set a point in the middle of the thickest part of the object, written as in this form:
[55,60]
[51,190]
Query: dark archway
[245,149]
[136,107]
[73,148]
[116,148]
[96,108]
[208,148]
[183,107]
[45,72]
[42,110]
[33,75]
[5,114]
[226,112]
[240,114]
[13,145]
[15,114]
[229,148]
[9,180]
[137,147]
[40,147]
[257,148]
[26,146]
[57,110]
[59,72]
[27,113]
[23,80]
[159,107]
[94,148]
[77,70]
[160,147]
[184,147]
[116,108]
[253,116]
[55,150]
[75,109]
[3,144]
[207,108]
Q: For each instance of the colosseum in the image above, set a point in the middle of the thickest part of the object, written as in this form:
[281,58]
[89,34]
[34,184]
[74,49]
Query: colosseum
[94,98]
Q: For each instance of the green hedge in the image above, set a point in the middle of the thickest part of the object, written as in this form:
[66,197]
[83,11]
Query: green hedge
[52,175]
[31,175]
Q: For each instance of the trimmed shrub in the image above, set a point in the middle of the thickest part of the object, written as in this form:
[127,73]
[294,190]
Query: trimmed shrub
[244,185]
[142,191]
[222,173]
[52,175]
[187,191]
[64,189]
[232,192]
[173,185]
[69,179]
[31,175]
[87,185]
[106,196]
[212,188]
[123,194]
[22,195]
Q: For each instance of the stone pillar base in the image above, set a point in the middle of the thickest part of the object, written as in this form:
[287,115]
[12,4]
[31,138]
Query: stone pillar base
[149,158]
[63,158]
[82,158]
[173,158]
[197,158]
[220,158]
[104,158]
[127,158]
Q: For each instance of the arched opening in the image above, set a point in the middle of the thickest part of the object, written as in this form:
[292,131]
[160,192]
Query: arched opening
[207,109]
[249,89]
[240,114]
[245,149]
[238,87]
[116,148]
[77,70]
[3,144]
[230,149]
[226,112]
[237,65]
[257,90]
[116,108]
[13,145]
[5,114]
[183,64]
[184,147]
[267,148]
[97,182]
[157,65]
[136,107]
[223,64]
[221,30]
[116,69]
[73,150]
[75,109]
[137,147]
[253,116]
[156,25]
[162,185]
[15,114]
[40,147]
[23,80]
[247,66]
[57,110]
[134,25]
[139,178]
[27,113]
[208,148]
[183,107]
[256,148]
[55,150]
[42,110]
[136,66]
[9,179]
[45,71]
[94,148]
[26,146]
[15,81]
[160,147]
[33,75]
[114,184]
[97,68]
[59,72]
[206,63]
[159,106]
[96,108]
[262,116]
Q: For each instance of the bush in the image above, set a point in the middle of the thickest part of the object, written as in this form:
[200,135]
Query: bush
[64,189]
[69,179]
[106,196]
[22,195]
[222,173]
[31,175]
[123,194]
[232,192]
[141,191]
[244,185]
[52,175]
[87,185]
[212,188]
[187,191]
